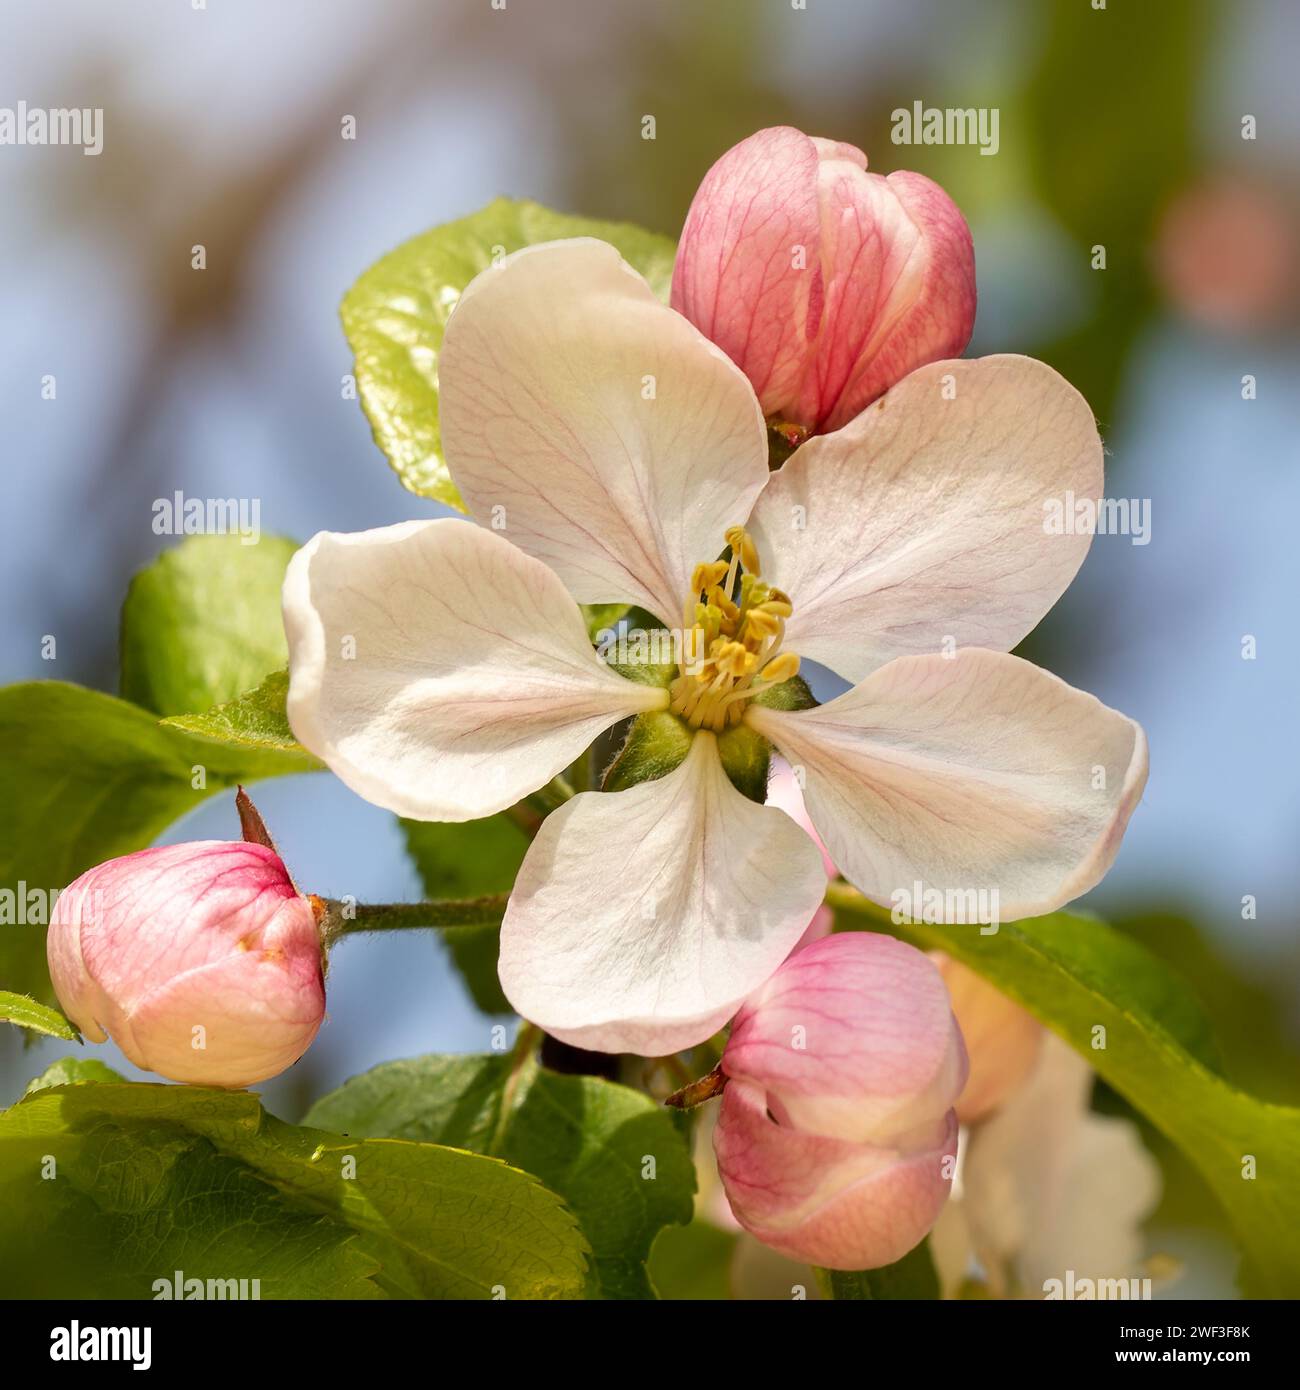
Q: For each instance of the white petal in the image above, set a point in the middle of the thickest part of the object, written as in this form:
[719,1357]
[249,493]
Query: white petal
[546,368]
[975,774]
[924,518]
[1050,1186]
[440,671]
[641,919]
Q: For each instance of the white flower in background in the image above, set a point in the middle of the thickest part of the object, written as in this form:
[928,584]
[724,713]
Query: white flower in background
[1044,1186]
[443,671]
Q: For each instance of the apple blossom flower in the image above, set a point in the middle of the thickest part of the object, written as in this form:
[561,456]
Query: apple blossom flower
[837,1136]
[825,284]
[443,669]
[1044,1186]
[1002,1039]
[201,961]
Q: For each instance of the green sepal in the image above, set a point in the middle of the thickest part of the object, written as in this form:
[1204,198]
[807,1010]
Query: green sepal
[640,645]
[746,759]
[656,744]
[789,695]
[602,617]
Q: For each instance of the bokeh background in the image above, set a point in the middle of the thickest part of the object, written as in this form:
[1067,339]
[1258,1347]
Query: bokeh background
[1119,127]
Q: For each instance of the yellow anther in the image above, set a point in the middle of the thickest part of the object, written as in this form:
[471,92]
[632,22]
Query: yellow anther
[735,659]
[707,575]
[719,600]
[728,636]
[743,546]
[760,623]
[781,668]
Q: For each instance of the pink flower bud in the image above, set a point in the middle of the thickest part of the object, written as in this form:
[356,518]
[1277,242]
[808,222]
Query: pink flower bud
[201,961]
[825,284]
[837,1136]
[1002,1039]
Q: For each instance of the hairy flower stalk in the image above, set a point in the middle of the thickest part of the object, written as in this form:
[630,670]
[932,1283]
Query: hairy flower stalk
[341,919]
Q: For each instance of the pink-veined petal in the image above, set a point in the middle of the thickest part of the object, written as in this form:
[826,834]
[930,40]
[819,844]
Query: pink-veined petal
[971,776]
[853,1038]
[595,427]
[828,1201]
[641,919]
[441,672]
[738,276]
[899,276]
[923,524]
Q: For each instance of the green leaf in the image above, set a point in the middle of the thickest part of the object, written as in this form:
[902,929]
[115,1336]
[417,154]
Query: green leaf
[693,1262]
[912,1277]
[254,720]
[587,1139]
[27,1013]
[1076,973]
[202,624]
[150,1179]
[395,314]
[470,860]
[86,778]
[72,1071]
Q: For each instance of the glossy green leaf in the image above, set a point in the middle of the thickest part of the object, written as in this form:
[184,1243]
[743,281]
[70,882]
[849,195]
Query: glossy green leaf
[202,624]
[72,1071]
[27,1013]
[395,315]
[1077,974]
[106,1188]
[615,1156]
[255,721]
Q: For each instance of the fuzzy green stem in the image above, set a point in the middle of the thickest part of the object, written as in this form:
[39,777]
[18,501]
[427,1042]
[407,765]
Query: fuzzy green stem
[523,1061]
[342,919]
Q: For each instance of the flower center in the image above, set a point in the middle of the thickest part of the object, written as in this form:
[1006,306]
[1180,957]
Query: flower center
[732,628]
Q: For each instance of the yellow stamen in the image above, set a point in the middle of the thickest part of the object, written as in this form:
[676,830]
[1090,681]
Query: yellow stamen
[762,623]
[781,668]
[708,574]
[719,600]
[734,625]
[742,544]
[777,607]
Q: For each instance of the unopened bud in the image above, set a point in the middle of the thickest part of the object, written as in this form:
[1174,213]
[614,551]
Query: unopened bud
[201,961]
